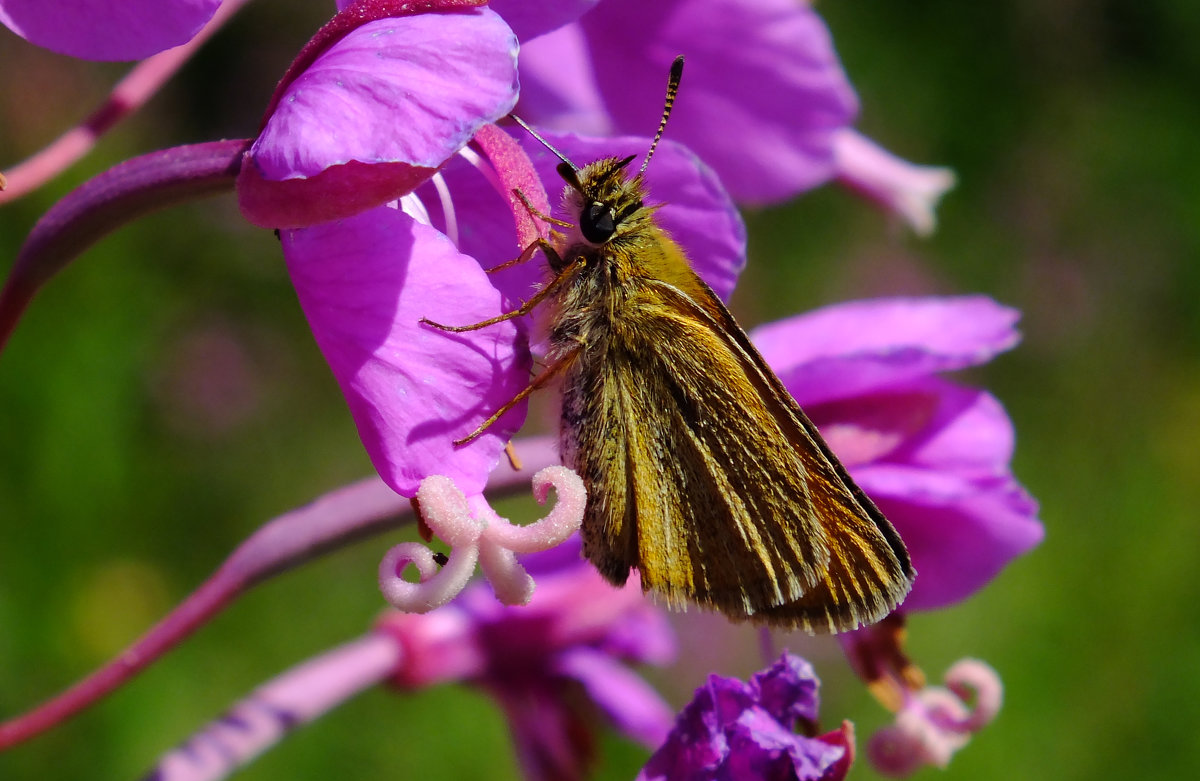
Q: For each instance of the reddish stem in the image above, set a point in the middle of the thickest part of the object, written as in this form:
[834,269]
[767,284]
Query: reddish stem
[99,206]
[333,520]
[130,94]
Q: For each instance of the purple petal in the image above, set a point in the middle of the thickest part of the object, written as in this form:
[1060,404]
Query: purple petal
[763,92]
[485,230]
[697,745]
[969,432]
[633,705]
[558,87]
[697,211]
[929,421]
[531,18]
[859,347]
[337,192]
[364,284]
[563,558]
[107,30]
[552,739]
[960,533]
[909,191]
[643,635]
[762,748]
[731,730]
[408,91]
[862,429]
[788,689]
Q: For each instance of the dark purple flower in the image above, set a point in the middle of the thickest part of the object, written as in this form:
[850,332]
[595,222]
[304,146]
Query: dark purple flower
[107,29]
[546,661]
[734,731]
[932,454]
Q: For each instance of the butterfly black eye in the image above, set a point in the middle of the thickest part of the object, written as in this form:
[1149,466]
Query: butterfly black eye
[597,223]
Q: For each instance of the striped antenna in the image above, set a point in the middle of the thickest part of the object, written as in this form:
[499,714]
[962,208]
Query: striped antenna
[544,142]
[672,88]
[566,169]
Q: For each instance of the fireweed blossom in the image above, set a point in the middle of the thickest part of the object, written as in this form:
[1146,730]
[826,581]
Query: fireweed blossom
[762,73]
[553,667]
[550,665]
[762,729]
[934,456]
[911,406]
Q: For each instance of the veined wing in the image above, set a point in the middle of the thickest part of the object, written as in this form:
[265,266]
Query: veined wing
[728,496]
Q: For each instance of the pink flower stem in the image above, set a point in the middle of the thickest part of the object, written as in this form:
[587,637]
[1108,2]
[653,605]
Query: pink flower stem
[336,519]
[279,706]
[142,82]
[120,195]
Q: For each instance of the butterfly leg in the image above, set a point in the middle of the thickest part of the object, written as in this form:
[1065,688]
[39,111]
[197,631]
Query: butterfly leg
[543,377]
[539,242]
[537,214]
[525,308]
[534,246]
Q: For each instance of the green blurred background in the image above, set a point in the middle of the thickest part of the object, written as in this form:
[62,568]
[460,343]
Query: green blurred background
[128,468]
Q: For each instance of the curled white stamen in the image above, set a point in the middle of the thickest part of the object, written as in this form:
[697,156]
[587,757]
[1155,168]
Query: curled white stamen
[481,536]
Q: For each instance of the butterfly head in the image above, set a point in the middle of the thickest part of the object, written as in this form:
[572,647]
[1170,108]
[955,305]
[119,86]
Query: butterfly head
[604,198]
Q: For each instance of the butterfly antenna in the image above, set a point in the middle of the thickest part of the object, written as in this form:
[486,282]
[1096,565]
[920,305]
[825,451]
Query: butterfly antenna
[672,88]
[566,169]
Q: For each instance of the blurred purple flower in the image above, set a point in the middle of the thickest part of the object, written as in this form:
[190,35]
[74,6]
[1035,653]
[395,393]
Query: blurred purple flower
[932,454]
[107,29]
[911,192]
[765,92]
[734,731]
[766,103]
[543,662]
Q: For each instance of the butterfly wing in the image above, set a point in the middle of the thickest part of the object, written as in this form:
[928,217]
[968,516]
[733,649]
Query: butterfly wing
[705,475]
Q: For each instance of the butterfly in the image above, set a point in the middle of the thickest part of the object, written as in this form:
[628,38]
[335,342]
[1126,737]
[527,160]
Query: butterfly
[702,472]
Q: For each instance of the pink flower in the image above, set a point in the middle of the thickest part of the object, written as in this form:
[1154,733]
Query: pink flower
[932,454]
[573,638]
[764,93]
[381,98]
